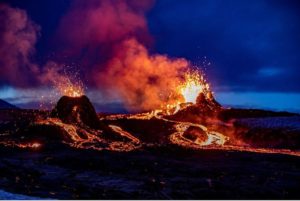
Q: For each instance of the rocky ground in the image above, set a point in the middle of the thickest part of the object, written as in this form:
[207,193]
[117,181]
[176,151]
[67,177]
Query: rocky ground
[155,171]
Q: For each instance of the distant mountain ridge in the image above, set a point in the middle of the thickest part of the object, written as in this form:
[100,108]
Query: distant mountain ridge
[6,105]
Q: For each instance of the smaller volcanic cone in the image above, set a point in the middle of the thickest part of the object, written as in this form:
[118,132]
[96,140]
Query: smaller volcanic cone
[79,111]
[72,119]
[76,110]
[74,122]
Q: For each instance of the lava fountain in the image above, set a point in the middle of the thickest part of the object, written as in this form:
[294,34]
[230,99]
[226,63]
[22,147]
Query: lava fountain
[70,88]
[193,85]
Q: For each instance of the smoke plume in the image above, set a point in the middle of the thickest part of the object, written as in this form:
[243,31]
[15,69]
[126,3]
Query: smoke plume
[108,40]
[18,36]
[111,38]
[144,81]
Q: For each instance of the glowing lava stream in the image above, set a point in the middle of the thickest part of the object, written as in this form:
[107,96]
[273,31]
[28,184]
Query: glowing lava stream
[124,133]
[93,138]
[28,145]
[213,138]
[214,141]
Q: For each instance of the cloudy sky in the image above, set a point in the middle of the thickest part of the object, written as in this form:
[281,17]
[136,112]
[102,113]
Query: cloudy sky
[249,50]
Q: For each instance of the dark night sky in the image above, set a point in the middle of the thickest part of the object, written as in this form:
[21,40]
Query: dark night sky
[252,45]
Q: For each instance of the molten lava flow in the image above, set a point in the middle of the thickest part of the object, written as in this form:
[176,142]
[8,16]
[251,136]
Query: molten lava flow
[24,145]
[213,138]
[33,145]
[93,138]
[193,85]
[124,133]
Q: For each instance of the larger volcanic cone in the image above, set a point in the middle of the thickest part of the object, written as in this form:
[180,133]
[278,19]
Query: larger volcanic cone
[76,110]
[205,108]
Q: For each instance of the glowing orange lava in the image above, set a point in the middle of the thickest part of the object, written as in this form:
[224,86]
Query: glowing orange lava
[30,145]
[193,85]
[68,82]
[94,138]
[72,90]
[187,92]
[214,141]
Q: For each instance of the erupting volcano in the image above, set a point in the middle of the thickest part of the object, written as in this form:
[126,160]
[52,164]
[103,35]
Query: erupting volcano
[194,121]
[121,116]
[187,119]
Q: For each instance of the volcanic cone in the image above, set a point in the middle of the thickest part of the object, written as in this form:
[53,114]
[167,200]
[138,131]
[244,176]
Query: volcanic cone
[76,110]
